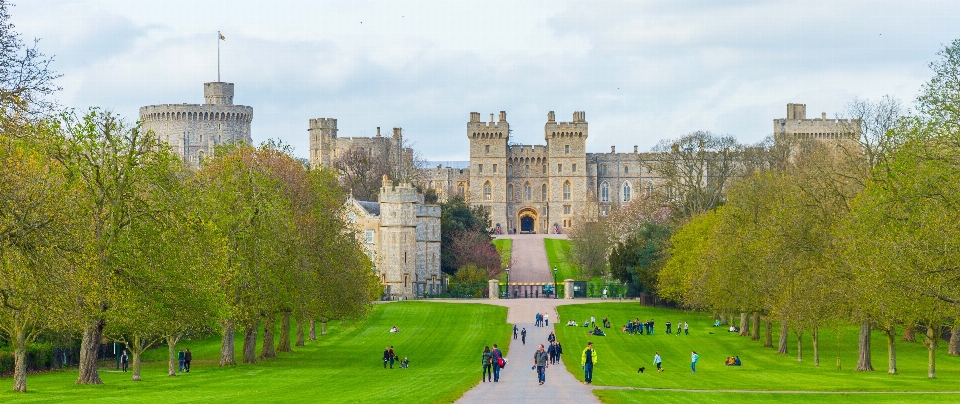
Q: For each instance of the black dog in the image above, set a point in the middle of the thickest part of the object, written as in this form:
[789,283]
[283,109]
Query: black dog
[641,370]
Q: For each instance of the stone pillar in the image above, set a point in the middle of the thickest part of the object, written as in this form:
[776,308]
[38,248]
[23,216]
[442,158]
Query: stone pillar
[568,288]
[494,289]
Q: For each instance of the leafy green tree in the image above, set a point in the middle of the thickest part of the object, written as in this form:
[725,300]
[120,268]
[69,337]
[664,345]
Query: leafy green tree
[637,260]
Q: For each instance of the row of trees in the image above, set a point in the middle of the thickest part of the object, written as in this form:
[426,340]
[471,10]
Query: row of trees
[808,233]
[105,233]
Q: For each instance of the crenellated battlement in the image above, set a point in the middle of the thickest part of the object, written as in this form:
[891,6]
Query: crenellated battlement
[402,192]
[196,112]
[323,123]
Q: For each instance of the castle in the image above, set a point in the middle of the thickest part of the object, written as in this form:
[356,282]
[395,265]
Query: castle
[401,235]
[193,130]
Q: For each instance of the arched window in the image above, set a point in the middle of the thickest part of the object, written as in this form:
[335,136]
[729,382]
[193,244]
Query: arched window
[604,192]
[509,170]
[626,191]
[460,189]
[526,191]
[543,192]
[486,191]
[544,168]
[509,192]
[566,190]
[526,170]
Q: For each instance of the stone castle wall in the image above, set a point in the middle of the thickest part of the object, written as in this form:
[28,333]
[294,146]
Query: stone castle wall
[796,125]
[194,130]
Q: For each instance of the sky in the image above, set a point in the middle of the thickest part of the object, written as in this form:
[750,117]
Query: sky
[643,71]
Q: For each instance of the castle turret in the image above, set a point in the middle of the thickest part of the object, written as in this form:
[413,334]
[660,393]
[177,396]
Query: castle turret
[194,130]
[488,164]
[323,141]
[566,146]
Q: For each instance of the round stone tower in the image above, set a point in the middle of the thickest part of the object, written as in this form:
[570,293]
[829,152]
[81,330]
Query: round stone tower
[193,130]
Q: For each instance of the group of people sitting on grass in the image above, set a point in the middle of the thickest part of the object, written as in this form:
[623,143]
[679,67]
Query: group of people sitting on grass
[597,332]
[572,323]
[733,361]
[394,329]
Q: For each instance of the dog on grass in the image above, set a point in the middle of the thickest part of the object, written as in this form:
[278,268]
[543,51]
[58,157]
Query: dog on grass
[641,369]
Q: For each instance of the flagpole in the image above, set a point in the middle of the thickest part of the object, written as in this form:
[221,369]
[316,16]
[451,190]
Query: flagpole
[218,55]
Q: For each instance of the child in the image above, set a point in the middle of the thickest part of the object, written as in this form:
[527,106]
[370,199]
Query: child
[405,364]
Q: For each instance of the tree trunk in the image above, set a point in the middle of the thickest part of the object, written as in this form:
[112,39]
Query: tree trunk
[284,344]
[323,328]
[864,362]
[250,344]
[815,337]
[784,336]
[891,350]
[313,330]
[755,331]
[768,342]
[799,346]
[135,353]
[931,343]
[227,353]
[269,329]
[744,325]
[300,341]
[954,347]
[172,361]
[20,361]
[89,347]
[343,321]
[909,334]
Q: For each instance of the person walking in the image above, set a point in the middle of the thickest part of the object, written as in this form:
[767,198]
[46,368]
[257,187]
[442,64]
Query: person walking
[181,358]
[686,329]
[546,319]
[187,358]
[559,351]
[593,321]
[496,355]
[657,361]
[486,360]
[693,361]
[124,360]
[393,356]
[552,353]
[552,337]
[523,336]
[514,331]
[540,362]
[667,324]
[679,324]
[587,360]
[386,356]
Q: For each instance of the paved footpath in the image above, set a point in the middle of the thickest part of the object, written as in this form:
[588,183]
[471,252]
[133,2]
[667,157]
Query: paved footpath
[528,258]
[518,383]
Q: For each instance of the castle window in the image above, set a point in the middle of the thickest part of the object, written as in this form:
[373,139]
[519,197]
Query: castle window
[649,190]
[486,191]
[604,192]
[604,169]
[604,211]
[526,191]
[566,190]
[368,236]
[509,192]
[509,170]
[566,149]
[480,168]
[574,168]
[352,217]
[626,192]
[544,168]
[559,168]
[526,169]
[487,148]
[566,209]
[494,168]
[626,169]
[460,189]
[200,157]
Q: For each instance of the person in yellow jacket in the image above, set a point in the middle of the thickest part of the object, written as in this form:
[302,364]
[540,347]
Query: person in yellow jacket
[587,360]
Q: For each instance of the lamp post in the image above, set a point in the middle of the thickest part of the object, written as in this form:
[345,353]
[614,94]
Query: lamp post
[555,290]
[508,282]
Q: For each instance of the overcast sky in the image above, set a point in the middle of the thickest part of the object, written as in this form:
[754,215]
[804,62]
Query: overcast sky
[642,70]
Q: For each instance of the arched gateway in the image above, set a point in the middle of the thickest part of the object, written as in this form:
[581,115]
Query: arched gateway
[527,220]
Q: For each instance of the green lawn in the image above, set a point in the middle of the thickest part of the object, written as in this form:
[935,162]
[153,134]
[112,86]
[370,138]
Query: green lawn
[622,354]
[626,396]
[504,247]
[558,251]
[343,366]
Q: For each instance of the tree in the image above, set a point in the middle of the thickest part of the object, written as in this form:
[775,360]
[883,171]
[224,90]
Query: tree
[637,260]
[696,170]
[25,78]
[37,228]
[590,246]
[469,224]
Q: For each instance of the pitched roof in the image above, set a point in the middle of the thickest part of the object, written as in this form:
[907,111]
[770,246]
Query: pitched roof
[372,208]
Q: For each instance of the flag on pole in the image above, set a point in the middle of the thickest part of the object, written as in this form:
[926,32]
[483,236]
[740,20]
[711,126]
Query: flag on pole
[222,38]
